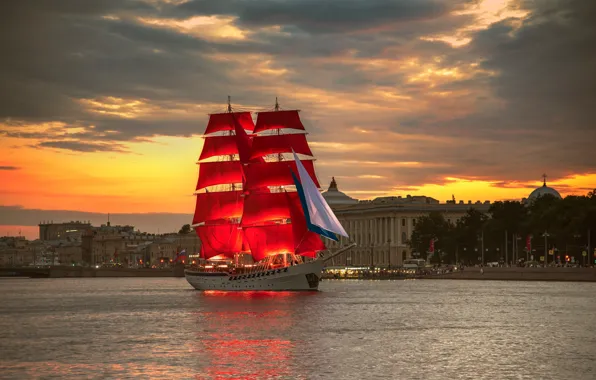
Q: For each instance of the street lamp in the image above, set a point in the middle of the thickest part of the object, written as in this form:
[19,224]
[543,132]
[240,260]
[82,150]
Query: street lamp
[577,236]
[349,254]
[389,249]
[546,235]
[372,250]
[481,239]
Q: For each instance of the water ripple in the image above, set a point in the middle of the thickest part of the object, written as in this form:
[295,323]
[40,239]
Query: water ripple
[159,329]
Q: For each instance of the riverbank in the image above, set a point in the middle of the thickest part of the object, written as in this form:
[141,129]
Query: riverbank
[474,273]
[521,274]
[70,271]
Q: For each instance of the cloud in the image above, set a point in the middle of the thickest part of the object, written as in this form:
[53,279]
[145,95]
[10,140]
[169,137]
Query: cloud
[379,81]
[79,146]
[7,167]
[315,16]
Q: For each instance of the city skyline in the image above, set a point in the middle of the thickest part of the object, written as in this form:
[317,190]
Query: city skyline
[434,98]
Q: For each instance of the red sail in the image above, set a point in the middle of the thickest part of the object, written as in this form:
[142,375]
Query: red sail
[218,146]
[218,205]
[223,239]
[278,120]
[271,144]
[259,175]
[269,240]
[262,207]
[219,173]
[306,243]
[225,122]
[243,143]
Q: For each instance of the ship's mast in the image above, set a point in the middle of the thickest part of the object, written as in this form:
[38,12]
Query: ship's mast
[231,156]
[232,186]
[280,156]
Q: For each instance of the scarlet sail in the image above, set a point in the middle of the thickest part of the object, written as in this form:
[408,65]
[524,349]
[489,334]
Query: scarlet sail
[269,240]
[219,173]
[271,144]
[218,146]
[253,218]
[263,207]
[218,205]
[225,122]
[278,120]
[223,239]
[259,175]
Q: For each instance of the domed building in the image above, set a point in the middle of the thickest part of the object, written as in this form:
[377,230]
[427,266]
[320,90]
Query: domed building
[334,197]
[543,190]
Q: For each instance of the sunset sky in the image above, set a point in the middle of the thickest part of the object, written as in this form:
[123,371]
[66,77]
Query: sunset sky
[103,102]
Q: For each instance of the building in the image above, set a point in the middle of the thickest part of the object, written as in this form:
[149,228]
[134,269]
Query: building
[541,191]
[334,197]
[123,245]
[382,227]
[57,231]
[14,251]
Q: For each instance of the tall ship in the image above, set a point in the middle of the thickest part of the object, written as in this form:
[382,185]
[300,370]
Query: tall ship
[259,214]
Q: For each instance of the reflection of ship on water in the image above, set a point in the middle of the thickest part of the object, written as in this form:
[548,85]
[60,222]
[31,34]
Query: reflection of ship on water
[248,337]
[259,214]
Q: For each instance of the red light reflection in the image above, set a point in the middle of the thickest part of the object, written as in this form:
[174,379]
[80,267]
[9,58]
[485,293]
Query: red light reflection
[247,335]
[256,294]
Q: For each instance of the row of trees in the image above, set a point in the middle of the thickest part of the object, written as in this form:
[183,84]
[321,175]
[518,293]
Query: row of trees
[567,223]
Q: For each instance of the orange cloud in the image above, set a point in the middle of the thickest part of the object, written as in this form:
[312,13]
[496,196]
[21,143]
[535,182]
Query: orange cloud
[206,27]
[485,13]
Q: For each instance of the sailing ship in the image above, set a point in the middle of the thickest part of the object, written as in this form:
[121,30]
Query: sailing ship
[259,214]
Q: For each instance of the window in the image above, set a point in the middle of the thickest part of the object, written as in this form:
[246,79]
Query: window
[403,222]
[403,237]
[413,222]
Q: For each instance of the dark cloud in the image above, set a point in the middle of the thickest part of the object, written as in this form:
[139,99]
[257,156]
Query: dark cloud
[79,146]
[527,107]
[547,82]
[96,49]
[57,55]
[7,167]
[319,16]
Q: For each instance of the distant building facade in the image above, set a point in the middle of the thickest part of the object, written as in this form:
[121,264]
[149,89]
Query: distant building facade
[334,197]
[80,243]
[541,191]
[58,231]
[122,244]
[382,227]
[14,251]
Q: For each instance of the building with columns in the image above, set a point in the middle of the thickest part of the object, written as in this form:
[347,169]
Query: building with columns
[381,227]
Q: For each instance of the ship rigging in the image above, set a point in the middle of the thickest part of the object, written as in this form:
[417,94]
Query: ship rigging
[256,210]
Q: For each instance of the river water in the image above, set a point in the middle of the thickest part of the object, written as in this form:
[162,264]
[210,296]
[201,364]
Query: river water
[417,329]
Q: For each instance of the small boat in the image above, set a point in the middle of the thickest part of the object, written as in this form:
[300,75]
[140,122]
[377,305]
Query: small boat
[259,214]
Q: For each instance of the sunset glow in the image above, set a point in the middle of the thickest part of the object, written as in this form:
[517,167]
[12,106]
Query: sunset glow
[422,98]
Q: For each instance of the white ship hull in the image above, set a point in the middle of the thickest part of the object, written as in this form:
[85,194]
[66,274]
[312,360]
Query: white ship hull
[304,276]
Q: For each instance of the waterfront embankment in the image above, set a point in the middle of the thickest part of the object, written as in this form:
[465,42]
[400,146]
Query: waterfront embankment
[475,273]
[76,271]
[520,274]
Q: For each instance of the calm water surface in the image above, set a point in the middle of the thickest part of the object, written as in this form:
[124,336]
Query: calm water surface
[160,328]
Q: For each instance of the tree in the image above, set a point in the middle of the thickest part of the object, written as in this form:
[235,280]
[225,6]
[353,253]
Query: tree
[432,227]
[185,229]
[509,217]
[467,234]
